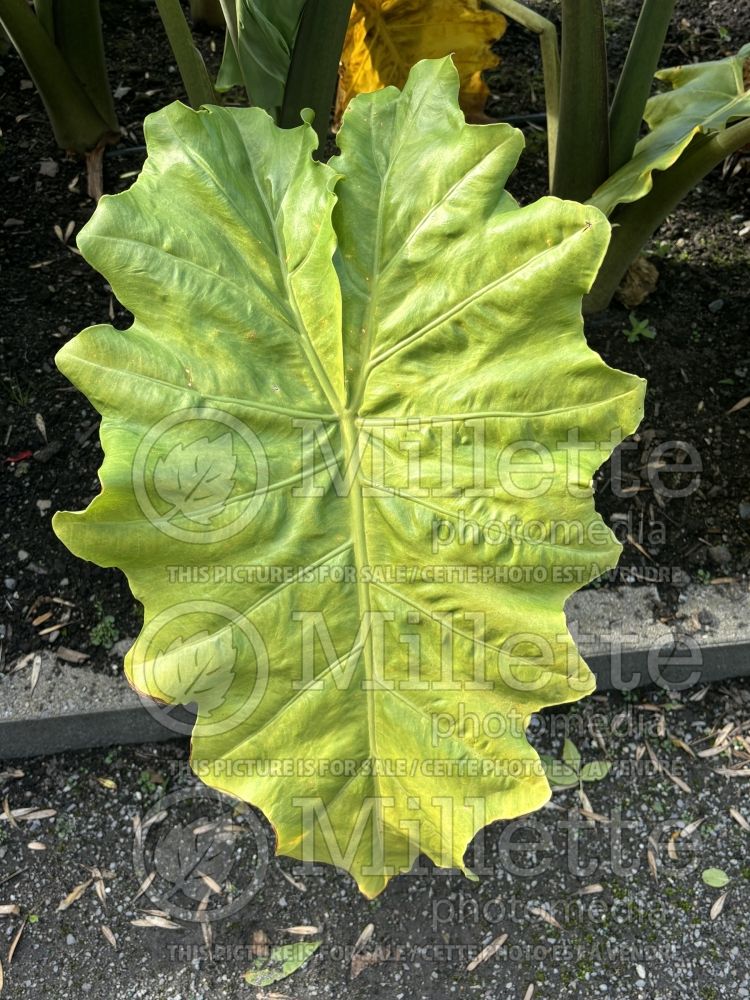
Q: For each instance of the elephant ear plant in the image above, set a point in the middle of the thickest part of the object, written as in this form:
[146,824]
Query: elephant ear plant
[386,37]
[284,53]
[595,153]
[60,42]
[693,126]
[343,384]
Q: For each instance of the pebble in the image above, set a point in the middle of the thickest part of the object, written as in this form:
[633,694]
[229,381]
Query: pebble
[50,450]
[23,555]
[121,647]
[719,555]
[716,305]
[707,618]
[70,940]
[49,168]
[10,583]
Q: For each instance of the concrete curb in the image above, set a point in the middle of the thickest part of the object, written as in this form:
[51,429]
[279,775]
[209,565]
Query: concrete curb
[618,631]
[627,644]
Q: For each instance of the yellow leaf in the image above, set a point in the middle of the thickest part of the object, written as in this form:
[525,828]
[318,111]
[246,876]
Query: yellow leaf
[386,38]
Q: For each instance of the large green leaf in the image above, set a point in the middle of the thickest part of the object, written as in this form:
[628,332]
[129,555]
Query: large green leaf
[372,355]
[703,99]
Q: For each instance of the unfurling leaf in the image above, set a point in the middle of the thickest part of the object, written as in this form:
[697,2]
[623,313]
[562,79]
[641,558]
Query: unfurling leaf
[258,49]
[705,97]
[387,37]
[396,349]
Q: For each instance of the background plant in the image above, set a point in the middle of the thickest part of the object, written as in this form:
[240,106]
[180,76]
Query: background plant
[594,150]
[61,44]
[284,53]
[285,57]
[386,38]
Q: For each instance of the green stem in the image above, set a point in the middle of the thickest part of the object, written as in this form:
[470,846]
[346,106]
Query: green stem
[550,52]
[78,35]
[229,8]
[75,121]
[189,60]
[636,78]
[313,72]
[45,12]
[582,161]
[636,222]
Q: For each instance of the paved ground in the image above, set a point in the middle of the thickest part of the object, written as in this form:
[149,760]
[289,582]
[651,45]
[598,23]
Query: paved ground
[598,898]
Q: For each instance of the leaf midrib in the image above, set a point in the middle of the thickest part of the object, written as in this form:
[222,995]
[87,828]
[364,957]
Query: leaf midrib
[350,440]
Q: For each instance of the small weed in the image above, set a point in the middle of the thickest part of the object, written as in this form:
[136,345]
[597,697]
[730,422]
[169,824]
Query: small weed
[569,771]
[146,782]
[17,392]
[65,827]
[661,249]
[104,633]
[640,329]
[584,969]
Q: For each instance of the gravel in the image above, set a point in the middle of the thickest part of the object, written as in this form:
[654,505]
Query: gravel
[587,913]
